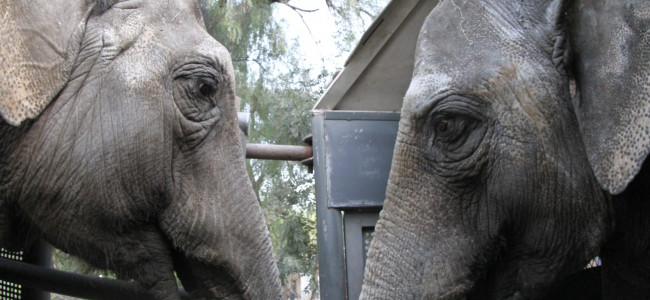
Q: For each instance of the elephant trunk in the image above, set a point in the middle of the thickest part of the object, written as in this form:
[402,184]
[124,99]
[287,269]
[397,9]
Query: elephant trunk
[244,272]
[419,250]
[222,244]
[439,270]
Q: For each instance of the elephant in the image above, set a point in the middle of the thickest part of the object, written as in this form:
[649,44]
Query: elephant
[520,154]
[119,144]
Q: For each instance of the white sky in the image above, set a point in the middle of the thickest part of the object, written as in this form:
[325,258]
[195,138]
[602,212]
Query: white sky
[318,47]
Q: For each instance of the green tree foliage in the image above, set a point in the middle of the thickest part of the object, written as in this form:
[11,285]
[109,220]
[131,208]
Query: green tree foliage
[67,262]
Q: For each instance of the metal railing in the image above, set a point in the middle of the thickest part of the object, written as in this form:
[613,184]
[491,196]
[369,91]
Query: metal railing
[71,284]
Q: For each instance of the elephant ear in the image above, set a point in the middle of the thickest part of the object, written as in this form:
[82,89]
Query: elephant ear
[611,65]
[38,43]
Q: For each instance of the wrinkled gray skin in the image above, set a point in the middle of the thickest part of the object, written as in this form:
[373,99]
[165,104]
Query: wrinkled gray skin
[136,164]
[519,154]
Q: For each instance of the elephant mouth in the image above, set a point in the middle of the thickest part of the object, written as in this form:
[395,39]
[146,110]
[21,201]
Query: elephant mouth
[205,281]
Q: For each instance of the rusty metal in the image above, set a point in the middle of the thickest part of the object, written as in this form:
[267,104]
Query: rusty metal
[278,152]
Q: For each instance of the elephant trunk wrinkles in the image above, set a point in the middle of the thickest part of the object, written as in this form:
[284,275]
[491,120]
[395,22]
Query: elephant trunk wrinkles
[402,265]
[411,257]
[223,249]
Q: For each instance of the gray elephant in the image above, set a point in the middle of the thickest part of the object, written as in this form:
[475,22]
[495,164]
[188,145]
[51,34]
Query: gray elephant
[520,153]
[119,144]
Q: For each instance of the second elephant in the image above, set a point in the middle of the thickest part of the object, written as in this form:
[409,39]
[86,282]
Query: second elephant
[520,154]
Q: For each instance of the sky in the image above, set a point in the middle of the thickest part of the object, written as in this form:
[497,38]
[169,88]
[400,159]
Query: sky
[315,33]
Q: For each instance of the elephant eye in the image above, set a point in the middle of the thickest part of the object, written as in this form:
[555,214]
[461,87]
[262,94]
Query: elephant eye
[454,127]
[206,86]
[449,128]
[443,126]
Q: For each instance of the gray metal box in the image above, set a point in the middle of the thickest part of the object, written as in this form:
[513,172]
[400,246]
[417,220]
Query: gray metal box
[358,153]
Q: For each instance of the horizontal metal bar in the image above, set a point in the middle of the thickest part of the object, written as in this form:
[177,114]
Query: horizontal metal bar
[278,152]
[71,284]
[362,115]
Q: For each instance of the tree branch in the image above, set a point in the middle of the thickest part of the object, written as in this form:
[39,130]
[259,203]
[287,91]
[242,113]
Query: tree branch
[367,13]
[297,9]
[255,60]
[303,20]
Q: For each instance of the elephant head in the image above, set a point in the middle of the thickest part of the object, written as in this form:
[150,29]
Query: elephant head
[120,145]
[522,120]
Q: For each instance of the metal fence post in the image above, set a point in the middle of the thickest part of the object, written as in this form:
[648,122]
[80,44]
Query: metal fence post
[331,258]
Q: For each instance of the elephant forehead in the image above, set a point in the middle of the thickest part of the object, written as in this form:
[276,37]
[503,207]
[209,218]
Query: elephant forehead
[143,56]
[471,36]
[478,48]
[211,47]
[171,11]
[423,90]
[179,27]
[174,32]
[516,87]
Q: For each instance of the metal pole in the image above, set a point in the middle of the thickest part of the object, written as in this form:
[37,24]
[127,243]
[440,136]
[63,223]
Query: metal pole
[71,284]
[278,152]
[40,254]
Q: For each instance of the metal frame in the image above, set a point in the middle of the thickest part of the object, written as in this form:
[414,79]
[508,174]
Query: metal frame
[331,258]
[71,284]
[39,253]
[358,154]
[352,155]
[355,251]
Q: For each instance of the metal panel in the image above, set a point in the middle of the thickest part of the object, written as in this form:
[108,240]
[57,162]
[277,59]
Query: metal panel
[329,224]
[358,153]
[359,231]
[10,290]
